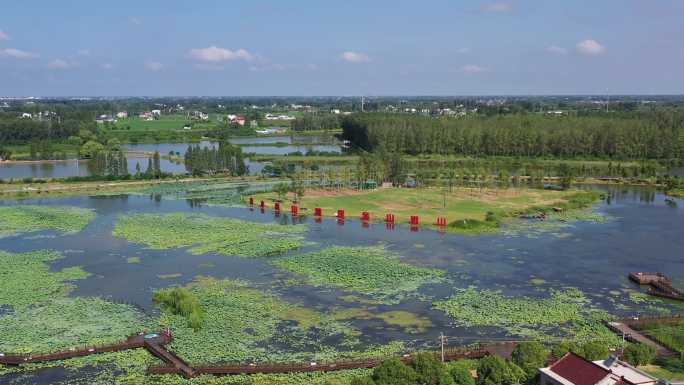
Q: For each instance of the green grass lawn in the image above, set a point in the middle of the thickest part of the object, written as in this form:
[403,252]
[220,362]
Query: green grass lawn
[427,203]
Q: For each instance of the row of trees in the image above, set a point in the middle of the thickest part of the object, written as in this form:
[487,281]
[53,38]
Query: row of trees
[310,122]
[209,160]
[522,368]
[652,135]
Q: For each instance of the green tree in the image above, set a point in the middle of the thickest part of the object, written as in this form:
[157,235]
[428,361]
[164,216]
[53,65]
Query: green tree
[365,380]
[639,354]
[429,369]
[90,149]
[462,376]
[530,356]
[281,189]
[394,372]
[594,350]
[494,370]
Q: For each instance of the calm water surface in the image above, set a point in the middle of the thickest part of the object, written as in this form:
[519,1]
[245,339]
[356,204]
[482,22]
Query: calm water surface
[644,234]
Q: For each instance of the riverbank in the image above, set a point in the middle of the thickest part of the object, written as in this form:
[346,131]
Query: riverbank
[61,188]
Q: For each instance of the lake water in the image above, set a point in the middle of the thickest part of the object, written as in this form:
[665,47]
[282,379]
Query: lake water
[644,234]
[72,167]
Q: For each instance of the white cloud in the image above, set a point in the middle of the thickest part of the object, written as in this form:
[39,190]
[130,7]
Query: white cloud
[497,7]
[217,54]
[472,69]
[83,52]
[354,57]
[463,51]
[3,35]
[17,53]
[154,66]
[107,66]
[590,47]
[61,64]
[135,20]
[554,49]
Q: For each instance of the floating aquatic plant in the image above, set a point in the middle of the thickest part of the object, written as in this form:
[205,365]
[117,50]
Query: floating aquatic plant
[207,234]
[25,218]
[369,270]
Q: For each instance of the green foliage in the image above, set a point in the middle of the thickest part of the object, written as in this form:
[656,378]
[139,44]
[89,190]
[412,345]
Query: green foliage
[226,158]
[26,279]
[530,356]
[520,135]
[429,370]
[368,270]
[671,336]
[90,149]
[475,226]
[594,350]
[43,318]
[22,218]
[365,380]
[67,322]
[494,370]
[640,354]
[180,301]
[394,372]
[242,324]
[471,307]
[566,311]
[206,234]
[462,376]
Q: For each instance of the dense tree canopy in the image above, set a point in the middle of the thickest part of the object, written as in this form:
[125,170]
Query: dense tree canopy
[652,135]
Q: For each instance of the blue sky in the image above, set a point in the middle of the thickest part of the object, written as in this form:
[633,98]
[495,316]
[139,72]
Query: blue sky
[352,47]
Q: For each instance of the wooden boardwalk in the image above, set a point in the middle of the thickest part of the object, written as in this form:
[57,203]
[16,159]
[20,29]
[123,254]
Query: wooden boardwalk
[503,349]
[133,342]
[632,335]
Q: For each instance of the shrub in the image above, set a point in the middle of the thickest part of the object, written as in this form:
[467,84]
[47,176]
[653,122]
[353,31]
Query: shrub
[496,370]
[394,372]
[430,370]
[182,302]
[593,351]
[639,354]
[462,376]
[530,356]
[366,380]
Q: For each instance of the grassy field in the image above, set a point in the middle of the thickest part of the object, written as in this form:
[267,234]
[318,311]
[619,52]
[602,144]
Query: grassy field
[427,203]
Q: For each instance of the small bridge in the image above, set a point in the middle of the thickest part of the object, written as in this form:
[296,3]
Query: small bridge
[660,285]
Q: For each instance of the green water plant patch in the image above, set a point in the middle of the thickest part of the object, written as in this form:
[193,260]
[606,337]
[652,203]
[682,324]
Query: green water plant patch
[368,270]
[26,279]
[208,234]
[27,218]
[568,311]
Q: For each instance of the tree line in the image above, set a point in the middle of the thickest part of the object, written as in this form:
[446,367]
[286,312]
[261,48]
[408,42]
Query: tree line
[523,367]
[210,160]
[638,135]
[310,122]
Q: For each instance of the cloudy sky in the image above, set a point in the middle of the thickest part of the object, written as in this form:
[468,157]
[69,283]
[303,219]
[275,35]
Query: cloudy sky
[351,47]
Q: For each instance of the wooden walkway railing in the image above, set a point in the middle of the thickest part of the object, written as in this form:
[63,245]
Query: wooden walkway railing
[133,342]
[504,349]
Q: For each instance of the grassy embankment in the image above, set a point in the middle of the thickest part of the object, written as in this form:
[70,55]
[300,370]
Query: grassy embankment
[57,187]
[677,193]
[467,210]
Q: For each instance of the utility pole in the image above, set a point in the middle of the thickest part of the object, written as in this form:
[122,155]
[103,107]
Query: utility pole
[441,340]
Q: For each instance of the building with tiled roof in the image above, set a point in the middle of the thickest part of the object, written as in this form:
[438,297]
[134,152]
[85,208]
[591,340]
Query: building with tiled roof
[572,369]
